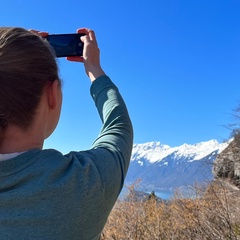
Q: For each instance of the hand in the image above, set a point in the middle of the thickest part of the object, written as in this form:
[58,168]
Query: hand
[91,55]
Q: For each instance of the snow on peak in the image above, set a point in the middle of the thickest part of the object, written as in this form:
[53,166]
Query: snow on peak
[153,151]
[199,150]
[156,151]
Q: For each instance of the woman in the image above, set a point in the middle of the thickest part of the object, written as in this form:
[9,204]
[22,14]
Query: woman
[43,193]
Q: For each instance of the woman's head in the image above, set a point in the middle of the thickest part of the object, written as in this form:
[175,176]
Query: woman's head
[27,64]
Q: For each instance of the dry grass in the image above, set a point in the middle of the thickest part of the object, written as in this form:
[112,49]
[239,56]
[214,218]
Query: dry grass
[212,215]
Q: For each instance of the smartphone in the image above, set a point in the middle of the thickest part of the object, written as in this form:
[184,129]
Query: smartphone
[65,45]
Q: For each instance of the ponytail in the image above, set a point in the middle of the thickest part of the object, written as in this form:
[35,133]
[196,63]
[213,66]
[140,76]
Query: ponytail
[27,64]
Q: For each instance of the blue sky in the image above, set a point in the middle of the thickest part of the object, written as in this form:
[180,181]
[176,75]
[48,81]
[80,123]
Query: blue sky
[176,63]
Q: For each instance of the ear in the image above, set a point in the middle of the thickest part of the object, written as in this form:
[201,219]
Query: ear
[53,94]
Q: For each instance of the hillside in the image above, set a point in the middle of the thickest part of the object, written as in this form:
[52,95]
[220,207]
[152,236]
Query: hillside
[161,167]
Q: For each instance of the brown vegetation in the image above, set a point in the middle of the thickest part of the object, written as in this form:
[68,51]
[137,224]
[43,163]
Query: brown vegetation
[214,214]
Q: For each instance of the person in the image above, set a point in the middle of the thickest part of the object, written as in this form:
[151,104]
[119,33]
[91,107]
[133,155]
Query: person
[43,193]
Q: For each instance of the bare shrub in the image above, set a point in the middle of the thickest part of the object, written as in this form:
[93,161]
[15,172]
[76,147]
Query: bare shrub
[211,215]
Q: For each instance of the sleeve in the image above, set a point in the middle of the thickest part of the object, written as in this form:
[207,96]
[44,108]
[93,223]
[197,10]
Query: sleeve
[113,146]
[96,176]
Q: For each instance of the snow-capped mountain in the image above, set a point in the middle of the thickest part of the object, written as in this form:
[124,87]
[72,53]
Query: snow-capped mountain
[160,166]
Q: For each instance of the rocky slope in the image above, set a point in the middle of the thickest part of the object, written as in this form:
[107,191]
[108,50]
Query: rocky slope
[227,164]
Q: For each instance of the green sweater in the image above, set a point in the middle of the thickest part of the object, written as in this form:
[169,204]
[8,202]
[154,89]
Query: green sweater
[47,195]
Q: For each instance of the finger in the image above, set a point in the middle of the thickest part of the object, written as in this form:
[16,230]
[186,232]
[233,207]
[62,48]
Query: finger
[88,32]
[92,36]
[85,38]
[83,30]
[33,31]
[75,59]
[43,34]
[40,33]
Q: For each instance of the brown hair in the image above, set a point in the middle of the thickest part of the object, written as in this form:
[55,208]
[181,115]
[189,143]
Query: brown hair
[27,64]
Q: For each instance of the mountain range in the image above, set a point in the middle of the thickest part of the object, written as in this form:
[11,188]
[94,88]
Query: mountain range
[159,167]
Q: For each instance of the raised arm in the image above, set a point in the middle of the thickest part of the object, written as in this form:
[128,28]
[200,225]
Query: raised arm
[111,151]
